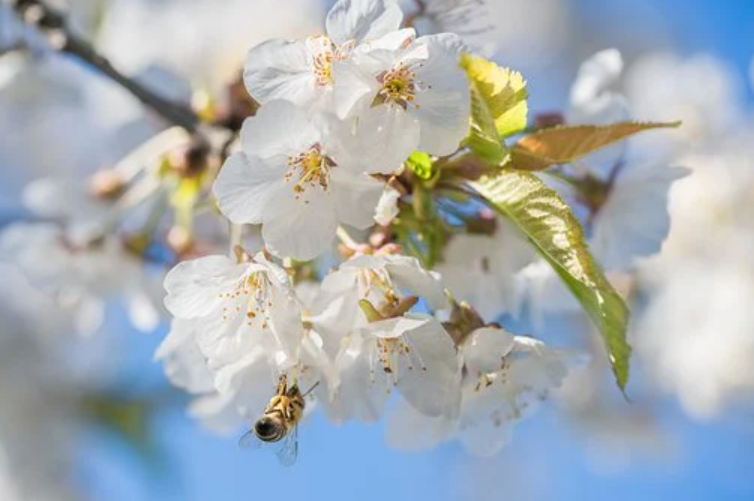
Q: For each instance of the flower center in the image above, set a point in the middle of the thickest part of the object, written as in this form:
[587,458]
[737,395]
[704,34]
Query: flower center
[309,169]
[324,52]
[398,86]
[251,297]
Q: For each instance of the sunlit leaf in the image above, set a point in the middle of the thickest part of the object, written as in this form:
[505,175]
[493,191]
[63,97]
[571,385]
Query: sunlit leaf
[547,221]
[559,145]
[421,164]
[503,91]
[498,107]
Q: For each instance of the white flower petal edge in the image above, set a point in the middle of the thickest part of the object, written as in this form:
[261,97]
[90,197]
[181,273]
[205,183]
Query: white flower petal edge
[635,220]
[362,20]
[281,69]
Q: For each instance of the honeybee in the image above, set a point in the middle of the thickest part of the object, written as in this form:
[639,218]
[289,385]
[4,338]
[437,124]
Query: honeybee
[280,422]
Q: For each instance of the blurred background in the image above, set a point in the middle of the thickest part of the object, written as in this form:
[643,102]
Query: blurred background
[688,430]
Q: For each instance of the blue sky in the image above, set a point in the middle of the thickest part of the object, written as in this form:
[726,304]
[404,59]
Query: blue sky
[547,460]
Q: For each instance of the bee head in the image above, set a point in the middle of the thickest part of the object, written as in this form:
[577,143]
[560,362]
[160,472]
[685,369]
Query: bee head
[269,429]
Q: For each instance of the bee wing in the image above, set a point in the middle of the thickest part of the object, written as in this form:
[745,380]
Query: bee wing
[249,440]
[289,451]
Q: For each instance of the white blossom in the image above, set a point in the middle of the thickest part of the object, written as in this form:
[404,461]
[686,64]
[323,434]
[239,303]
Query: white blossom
[505,378]
[300,177]
[236,306]
[409,352]
[412,97]
[301,71]
[481,269]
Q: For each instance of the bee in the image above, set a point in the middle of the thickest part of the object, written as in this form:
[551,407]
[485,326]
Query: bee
[280,421]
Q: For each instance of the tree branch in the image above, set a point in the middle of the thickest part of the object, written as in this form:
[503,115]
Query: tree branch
[53,24]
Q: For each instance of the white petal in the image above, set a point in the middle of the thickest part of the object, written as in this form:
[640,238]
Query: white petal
[193,286]
[142,312]
[593,103]
[486,438]
[482,270]
[393,327]
[362,20]
[303,232]
[89,315]
[595,75]
[355,197]
[55,198]
[352,84]
[250,371]
[392,41]
[443,109]
[410,431]
[434,386]
[184,364]
[409,273]
[280,69]
[485,348]
[278,128]
[387,135]
[285,317]
[358,397]
[635,220]
[250,190]
[217,412]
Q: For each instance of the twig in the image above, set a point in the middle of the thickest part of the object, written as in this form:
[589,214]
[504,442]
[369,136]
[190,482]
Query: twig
[421,8]
[54,25]
[236,238]
[346,239]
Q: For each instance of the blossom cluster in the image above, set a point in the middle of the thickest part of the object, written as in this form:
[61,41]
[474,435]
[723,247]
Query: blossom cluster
[363,263]
[340,114]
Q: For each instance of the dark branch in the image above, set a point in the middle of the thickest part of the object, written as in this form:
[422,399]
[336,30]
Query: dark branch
[53,24]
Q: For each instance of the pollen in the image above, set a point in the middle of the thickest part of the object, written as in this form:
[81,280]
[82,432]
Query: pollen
[310,169]
[398,86]
[323,53]
[250,298]
[396,353]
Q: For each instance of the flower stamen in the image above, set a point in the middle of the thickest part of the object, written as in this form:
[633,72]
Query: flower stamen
[313,169]
[398,86]
[255,290]
[324,52]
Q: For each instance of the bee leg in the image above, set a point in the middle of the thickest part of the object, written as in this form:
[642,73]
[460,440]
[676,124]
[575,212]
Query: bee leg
[282,385]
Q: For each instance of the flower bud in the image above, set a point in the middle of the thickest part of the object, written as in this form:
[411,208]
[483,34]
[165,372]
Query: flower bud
[180,240]
[548,120]
[107,184]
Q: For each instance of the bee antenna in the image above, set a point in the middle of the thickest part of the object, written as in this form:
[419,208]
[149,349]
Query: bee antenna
[311,389]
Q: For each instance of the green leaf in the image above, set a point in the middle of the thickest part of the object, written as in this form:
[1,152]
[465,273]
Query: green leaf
[503,91]
[498,107]
[557,235]
[559,145]
[421,164]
